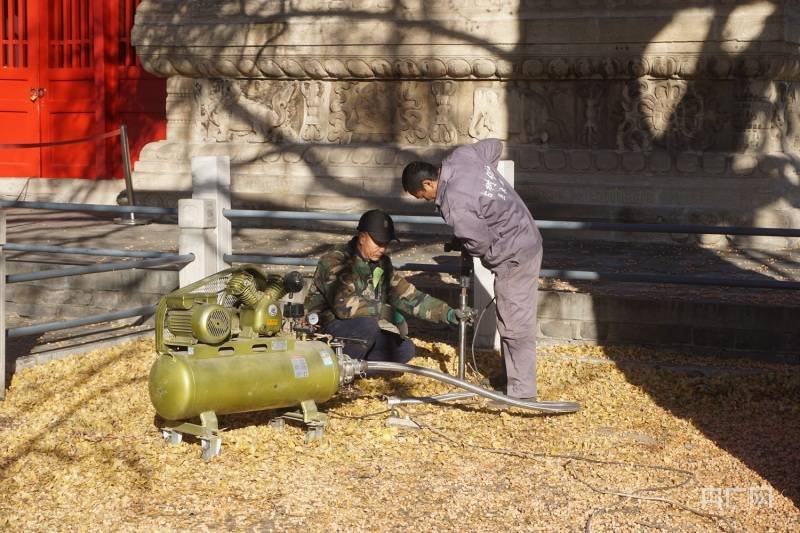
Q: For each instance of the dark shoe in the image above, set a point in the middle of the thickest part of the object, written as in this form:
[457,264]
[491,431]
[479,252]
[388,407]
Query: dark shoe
[496,383]
[499,381]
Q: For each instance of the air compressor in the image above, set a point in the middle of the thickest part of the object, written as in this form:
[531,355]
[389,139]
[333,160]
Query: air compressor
[232,343]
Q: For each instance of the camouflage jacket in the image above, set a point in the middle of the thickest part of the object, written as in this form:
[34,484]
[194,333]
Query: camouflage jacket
[346,286]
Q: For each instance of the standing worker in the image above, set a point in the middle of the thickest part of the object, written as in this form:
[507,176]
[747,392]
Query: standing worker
[358,295]
[495,225]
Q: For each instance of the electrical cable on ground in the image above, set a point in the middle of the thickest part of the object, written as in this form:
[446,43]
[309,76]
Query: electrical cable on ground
[627,496]
[334,414]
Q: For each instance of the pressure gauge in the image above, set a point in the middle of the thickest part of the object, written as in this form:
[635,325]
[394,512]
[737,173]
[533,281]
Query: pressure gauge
[313,319]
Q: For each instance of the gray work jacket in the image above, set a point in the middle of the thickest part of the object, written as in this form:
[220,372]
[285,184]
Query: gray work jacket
[485,212]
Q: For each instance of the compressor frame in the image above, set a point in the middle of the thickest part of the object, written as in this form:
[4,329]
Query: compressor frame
[238,312]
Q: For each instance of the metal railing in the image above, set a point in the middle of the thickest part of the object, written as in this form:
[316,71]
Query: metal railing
[575,275]
[542,224]
[91,208]
[140,260]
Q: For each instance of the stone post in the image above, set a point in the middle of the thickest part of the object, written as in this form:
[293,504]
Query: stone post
[204,231]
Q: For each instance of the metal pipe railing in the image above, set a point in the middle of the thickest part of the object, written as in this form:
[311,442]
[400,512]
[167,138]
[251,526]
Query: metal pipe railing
[91,208]
[542,224]
[310,262]
[321,215]
[108,252]
[574,275]
[586,275]
[667,228]
[104,267]
[94,319]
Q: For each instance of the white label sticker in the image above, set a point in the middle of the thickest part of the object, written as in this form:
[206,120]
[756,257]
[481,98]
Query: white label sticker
[279,346]
[326,358]
[300,367]
[272,310]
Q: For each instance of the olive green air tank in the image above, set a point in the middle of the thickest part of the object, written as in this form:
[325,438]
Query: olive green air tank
[252,377]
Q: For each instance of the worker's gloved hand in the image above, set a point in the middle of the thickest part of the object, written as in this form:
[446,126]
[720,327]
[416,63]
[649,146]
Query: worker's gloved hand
[400,321]
[455,316]
[455,245]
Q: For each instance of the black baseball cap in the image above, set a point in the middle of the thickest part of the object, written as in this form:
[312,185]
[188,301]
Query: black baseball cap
[379,225]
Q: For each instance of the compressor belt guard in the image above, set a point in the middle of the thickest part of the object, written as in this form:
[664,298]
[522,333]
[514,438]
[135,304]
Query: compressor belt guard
[225,347]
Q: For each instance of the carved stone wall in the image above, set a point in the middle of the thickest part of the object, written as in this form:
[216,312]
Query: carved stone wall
[646,110]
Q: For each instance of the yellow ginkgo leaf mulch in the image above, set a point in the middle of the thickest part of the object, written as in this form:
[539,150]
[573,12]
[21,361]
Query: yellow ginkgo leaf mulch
[663,442]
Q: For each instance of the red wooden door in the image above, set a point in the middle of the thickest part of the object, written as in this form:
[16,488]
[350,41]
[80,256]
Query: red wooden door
[68,71]
[71,89]
[19,83]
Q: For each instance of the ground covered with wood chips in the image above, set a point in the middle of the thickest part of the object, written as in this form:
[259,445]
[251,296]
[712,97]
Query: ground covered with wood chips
[663,442]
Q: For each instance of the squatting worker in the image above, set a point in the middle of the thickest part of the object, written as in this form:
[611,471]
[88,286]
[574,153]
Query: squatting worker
[495,225]
[357,293]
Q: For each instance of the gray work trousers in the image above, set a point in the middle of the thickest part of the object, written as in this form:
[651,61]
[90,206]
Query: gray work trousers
[516,285]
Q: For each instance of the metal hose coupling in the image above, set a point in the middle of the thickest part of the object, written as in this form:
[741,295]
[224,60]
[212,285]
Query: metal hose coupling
[350,368]
[556,407]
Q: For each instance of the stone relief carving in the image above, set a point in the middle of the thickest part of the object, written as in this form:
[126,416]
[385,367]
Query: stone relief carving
[676,115]
[792,119]
[760,115]
[209,98]
[338,132]
[640,115]
[603,122]
[411,112]
[632,133]
[536,120]
[488,111]
[314,96]
[443,130]
[679,117]
[590,130]
[362,112]
[254,111]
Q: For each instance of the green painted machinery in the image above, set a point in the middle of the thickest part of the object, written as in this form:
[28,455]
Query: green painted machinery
[225,347]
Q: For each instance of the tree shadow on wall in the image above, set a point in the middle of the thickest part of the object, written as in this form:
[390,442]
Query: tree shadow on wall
[694,123]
